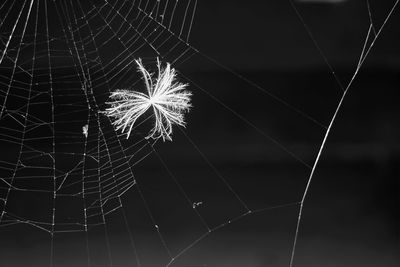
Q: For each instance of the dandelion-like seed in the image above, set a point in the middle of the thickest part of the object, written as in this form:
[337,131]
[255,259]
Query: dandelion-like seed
[167,98]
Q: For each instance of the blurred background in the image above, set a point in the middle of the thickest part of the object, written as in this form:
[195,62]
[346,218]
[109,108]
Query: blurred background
[266,82]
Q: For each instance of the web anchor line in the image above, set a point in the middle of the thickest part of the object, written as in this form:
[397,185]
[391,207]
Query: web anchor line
[363,56]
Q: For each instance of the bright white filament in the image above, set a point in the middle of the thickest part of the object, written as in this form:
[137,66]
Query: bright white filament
[167,98]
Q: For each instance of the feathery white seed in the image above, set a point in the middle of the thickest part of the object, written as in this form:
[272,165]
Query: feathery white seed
[167,97]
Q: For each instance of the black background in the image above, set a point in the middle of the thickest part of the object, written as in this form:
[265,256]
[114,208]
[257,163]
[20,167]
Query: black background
[351,212]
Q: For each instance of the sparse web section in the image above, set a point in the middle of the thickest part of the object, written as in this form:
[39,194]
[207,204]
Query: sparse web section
[60,61]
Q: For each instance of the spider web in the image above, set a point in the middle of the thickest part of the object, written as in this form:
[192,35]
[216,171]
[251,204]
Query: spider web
[73,55]
[60,60]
